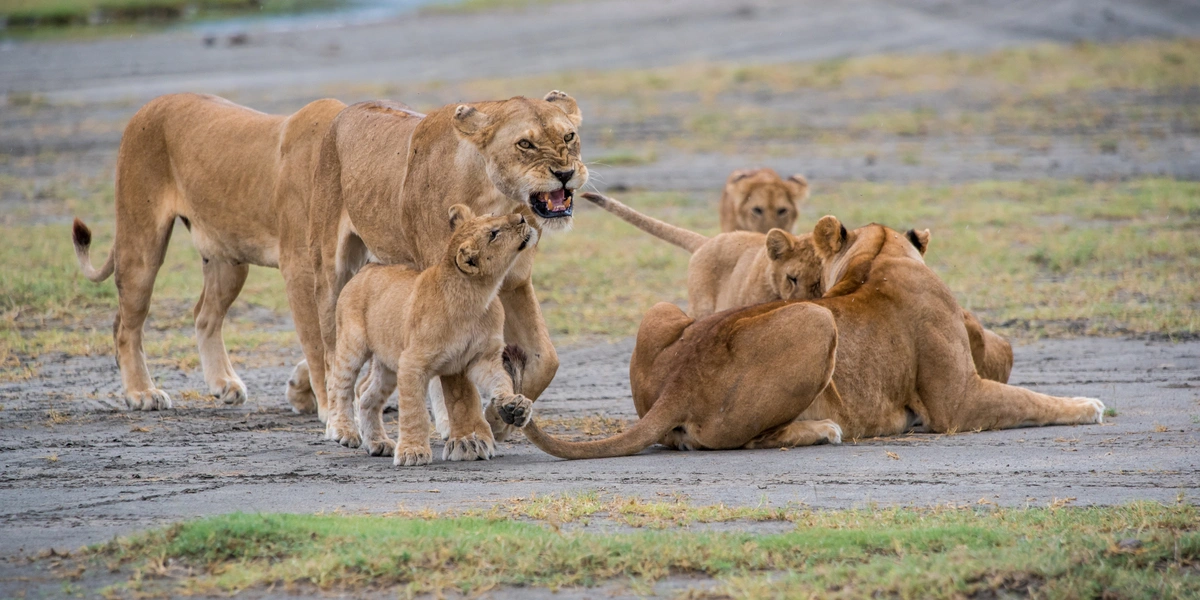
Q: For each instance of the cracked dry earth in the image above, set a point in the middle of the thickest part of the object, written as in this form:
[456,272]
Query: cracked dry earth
[73,472]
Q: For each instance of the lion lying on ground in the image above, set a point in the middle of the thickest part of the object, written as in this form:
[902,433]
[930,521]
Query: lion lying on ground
[414,326]
[741,268]
[385,179]
[903,359]
[759,200]
[240,181]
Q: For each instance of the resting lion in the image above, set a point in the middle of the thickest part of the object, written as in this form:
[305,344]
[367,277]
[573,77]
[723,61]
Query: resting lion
[903,359]
[386,177]
[240,181]
[417,325]
[759,200]
[740,268]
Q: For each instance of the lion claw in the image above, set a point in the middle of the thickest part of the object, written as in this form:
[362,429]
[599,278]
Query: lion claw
[517,411]
[468,447]
[381,447]
[413,456]
[152,399]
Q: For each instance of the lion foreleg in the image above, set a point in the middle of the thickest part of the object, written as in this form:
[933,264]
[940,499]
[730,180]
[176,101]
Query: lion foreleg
[223,282]
[495,386]
[525,328]
[799,433]
[470,435]
[412,381]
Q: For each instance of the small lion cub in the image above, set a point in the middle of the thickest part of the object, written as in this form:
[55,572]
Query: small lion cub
[443,321]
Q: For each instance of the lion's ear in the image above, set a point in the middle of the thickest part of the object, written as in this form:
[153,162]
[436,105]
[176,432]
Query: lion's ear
[567,104]
[739,175]
[469,121]
[467,258]
[797,185]
[459,214]
[829,236]
[779,244]
[920,239]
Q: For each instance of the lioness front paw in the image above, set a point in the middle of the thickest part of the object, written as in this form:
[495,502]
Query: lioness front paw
[832,432]
[343,431]
[382,446]
[299,390]
[468,447]
[517,410]
[233,392]
[413,456]
[1093,410]
[152,399]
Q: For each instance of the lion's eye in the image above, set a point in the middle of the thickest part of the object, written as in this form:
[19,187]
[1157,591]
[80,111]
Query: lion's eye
[526,144]
[570,136]
[792,278]
[495,232]
[782,211]
[757,210]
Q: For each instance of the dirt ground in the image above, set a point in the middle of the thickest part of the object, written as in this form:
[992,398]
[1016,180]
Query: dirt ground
[73,472]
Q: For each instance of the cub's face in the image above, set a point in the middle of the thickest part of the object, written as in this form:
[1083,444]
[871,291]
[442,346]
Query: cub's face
[532,152]
[763,201]
[488,246]
[795,268]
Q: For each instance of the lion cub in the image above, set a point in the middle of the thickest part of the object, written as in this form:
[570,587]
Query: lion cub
[737,268]
[414,326]
[760,200]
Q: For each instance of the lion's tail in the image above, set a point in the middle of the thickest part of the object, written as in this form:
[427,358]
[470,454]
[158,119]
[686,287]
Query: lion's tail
[82,236]
[688,240]
[642,435]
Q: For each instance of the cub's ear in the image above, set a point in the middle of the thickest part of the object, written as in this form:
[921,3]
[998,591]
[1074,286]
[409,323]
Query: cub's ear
[829,236]
[467,258]
[779,244]
[459,214]
[920,239]
[567,104]
[739,175]
[797,186]
[469,121]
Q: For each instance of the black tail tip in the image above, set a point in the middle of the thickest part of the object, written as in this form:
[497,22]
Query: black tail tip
[81,234]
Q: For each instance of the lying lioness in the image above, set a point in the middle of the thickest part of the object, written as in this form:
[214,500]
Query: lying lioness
[732,270]
[903,359]
[759,200]
[414,326]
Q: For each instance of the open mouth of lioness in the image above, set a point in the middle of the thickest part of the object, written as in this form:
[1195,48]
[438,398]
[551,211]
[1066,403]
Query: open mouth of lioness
[552,205]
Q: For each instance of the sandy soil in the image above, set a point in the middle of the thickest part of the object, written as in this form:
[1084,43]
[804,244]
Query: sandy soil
[73,472]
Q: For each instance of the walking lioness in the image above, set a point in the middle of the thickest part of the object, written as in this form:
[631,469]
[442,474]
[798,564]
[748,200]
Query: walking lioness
[414,326]
[239,181]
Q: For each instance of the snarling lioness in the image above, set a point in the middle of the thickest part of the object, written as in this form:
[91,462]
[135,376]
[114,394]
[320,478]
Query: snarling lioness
[417,325]
[760,200]
[240,181]
[740,268]
[903,360]
[386,177]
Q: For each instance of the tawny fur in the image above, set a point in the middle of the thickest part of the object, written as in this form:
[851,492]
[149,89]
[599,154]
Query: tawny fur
[414,326]
[386,177]
[240,181]
[760,200]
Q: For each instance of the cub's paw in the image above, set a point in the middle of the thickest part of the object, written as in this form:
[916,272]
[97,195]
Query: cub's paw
[152,399]
[500,429]
[831,431]
[516,410]
[343,431]
[383,446]
[1093,410]
[233,392]
[414,455]
[468,447]
[299,390]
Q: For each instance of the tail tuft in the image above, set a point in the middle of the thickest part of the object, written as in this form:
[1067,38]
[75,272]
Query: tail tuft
[81,234]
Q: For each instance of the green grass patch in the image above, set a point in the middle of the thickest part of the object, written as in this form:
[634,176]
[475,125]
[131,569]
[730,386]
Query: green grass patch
[1136,550]
[28,16]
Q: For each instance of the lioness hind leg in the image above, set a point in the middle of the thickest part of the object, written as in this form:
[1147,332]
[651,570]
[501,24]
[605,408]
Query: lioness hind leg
[1002,406]
[137,266]
[799,433]
[379,385]
[300,393]
[223,282]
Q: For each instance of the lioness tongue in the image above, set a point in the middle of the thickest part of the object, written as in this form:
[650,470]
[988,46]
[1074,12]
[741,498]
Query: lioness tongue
[556,200]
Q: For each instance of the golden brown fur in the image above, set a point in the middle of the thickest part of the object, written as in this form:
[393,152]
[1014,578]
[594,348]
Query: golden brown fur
[733,269]
[239,180]
[904,353]
[759,200]
[387,175]
[729,380]
[414,326]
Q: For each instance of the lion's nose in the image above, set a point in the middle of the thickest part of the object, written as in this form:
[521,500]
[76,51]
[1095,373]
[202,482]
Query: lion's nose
[563,176]
[516,219]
